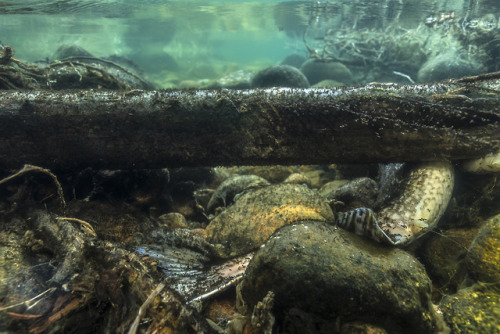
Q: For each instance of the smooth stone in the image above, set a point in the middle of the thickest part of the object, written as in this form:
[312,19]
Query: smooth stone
[443,254]
[361,328]
[294,60]
[317,71]
[274,174]
[360,192]
[448,65]
[319,174]
[322,269]
[328,84]
[173,219]
[254,217]
[483,259]
[240,79]
[280,76]
[237,184]
[330,187]
[298,178]
[473,310]
[70,50]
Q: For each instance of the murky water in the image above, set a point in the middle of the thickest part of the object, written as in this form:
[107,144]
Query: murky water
[179,40]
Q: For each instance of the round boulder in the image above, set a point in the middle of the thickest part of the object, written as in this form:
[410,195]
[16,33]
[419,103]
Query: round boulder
[336,275]
[448,65]
[317,71]
[294,60]
[254,216]
[280,76]
[237,184]
[483,258]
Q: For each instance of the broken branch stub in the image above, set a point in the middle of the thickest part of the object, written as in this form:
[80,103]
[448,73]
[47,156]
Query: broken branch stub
[456,119]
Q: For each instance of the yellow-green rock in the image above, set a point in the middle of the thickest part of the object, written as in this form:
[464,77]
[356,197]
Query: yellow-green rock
[473,310]
[483,259]
[251,220]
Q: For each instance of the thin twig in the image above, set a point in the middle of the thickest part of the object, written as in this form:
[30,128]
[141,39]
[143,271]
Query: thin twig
[90,230]
[31,168]
[149,300]
[28,302]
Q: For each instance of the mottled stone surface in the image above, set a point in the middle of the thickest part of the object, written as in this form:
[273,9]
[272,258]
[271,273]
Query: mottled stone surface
[473,310]
[360,192]
[317,71]
[237,184]
[298,178]
[483,259]
[447,65]
[280,76]
[335,274]
[443,254]
[251,220]
[274,174]
[173,219]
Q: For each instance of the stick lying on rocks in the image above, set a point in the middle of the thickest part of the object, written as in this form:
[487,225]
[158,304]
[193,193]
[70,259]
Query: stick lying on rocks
[455,119]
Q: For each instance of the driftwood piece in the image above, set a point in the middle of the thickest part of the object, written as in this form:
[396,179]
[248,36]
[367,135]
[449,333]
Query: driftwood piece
[456,119]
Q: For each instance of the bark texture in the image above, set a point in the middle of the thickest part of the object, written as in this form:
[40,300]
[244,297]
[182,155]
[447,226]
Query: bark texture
[458,119]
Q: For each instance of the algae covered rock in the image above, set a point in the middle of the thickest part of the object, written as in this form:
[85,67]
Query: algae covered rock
[334,274]
[280,76]
[237,184]
[251,220]
[473,310]
[317,71]
[447,65]
[443,254]
[483,259]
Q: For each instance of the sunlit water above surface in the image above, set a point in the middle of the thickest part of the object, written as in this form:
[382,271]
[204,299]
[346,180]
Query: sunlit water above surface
[195,40]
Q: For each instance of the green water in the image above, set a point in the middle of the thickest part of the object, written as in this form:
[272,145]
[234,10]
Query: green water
[195,40]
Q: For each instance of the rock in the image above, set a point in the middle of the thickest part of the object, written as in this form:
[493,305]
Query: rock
[336,275]
[330,187]
[443,253]
[280,76]
[294,60]
[317,71]
[240,79]
[237,184]
[251,220]
[201,70]
[361,328]
[126,63]
[473,310]
[155,60]
[328,84]
[483,258]
[360,192]
[298,178]
[173,219]
[448,65]
[193,84]
[274,174]
[70,50]
[319,174]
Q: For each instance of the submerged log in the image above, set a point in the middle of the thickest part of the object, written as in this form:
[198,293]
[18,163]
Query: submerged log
[456,119]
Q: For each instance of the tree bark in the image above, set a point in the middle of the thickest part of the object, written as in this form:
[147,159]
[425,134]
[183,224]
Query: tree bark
[457,119]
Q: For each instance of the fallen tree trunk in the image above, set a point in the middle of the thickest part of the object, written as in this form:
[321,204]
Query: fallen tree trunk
[458,119]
